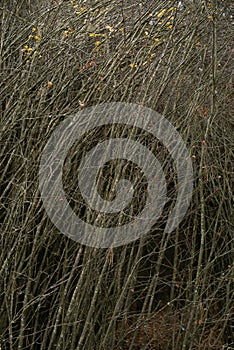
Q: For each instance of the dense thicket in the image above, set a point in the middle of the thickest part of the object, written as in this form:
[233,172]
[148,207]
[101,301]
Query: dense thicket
[162,291]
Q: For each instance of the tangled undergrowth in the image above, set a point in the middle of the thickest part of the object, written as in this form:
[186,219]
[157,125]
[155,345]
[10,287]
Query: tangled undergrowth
[163,291]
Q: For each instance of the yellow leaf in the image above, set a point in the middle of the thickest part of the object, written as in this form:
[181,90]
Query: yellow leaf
[161,13]
[95,35]
[109,28]
[82,10]
[172,9]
